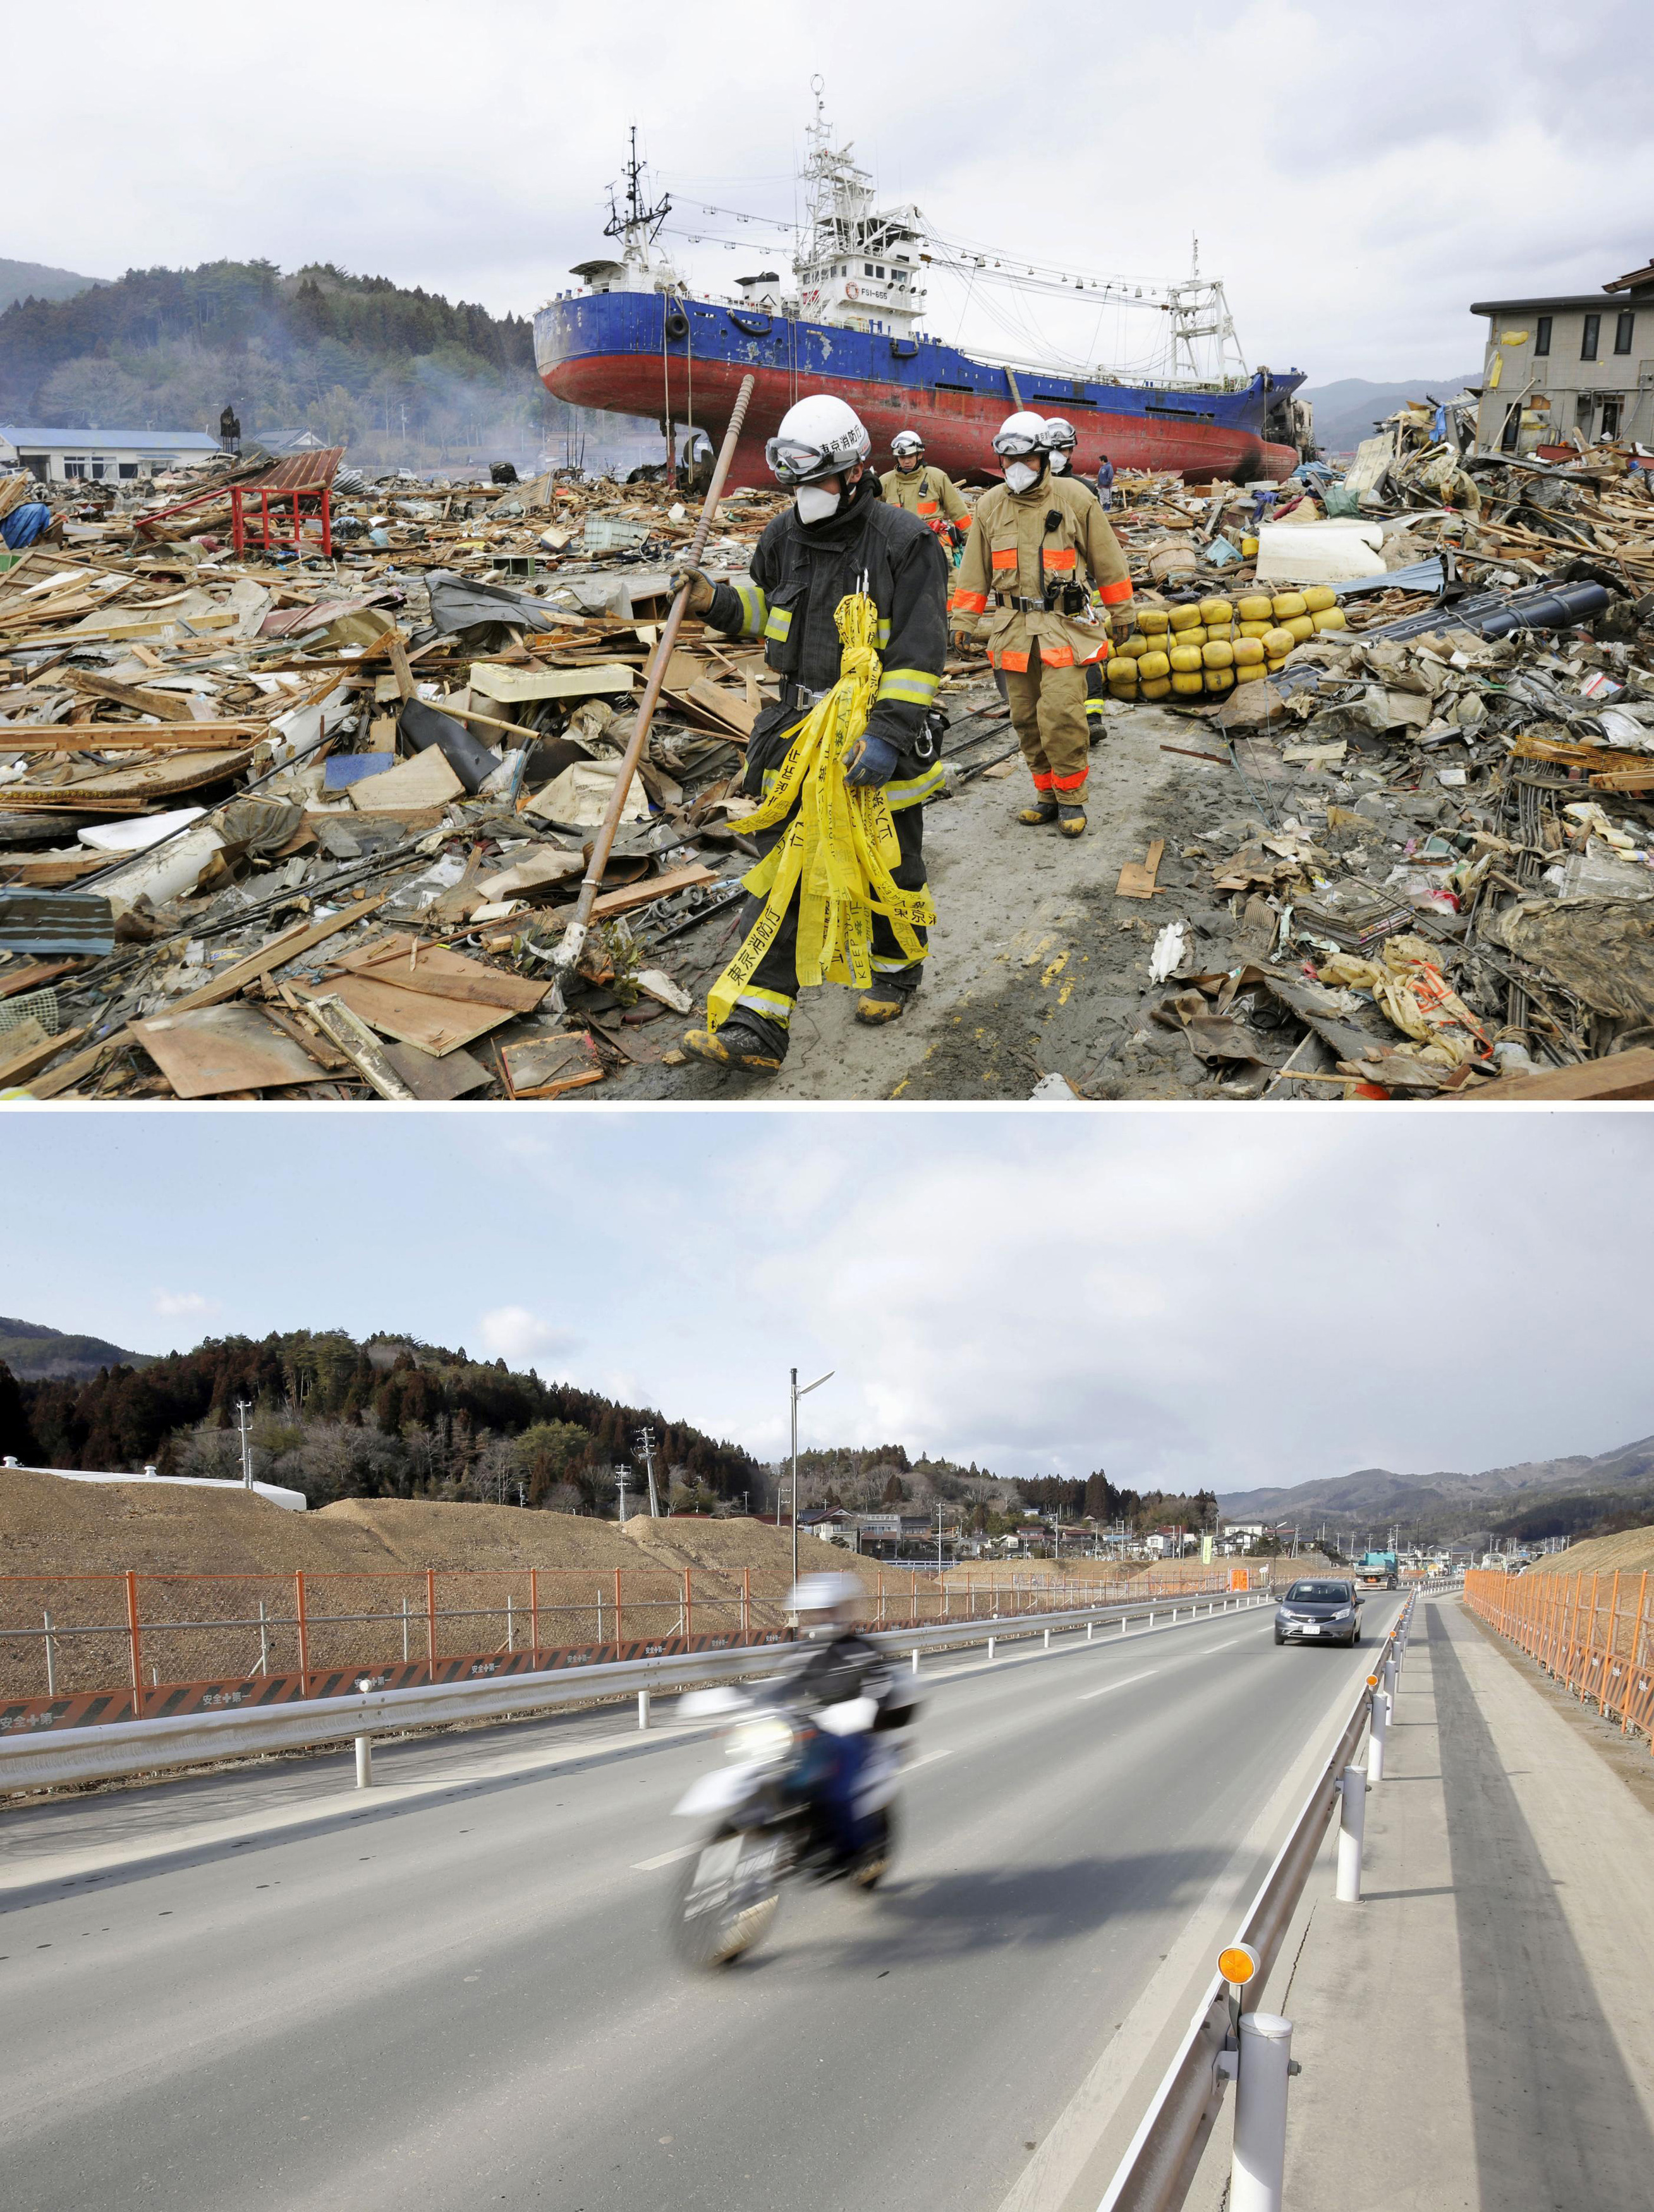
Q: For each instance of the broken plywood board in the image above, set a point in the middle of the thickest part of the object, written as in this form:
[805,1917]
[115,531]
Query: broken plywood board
[546,1066]
[455,1076]
[215,1049]
[1137,877]
[652,888]
[402,959]
[425,780]
[492,680]
[434,1025]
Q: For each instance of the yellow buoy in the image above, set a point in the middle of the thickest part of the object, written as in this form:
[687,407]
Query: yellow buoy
[1154,668]
[1249,652]
[1121,674]
[1218,654]
[1185,658]
[1317,597]
[1135,645]
[1154,619]
[1287,603]
[1249,549]
[1250,675]
[1187,683]
[1219,679]
[1255,628]
[1279,643]
[1217,633]
[1256,607]
[1216,611]
[1332,619]
[1156,690]
[1185,617]
[1275,667]
[1301,626]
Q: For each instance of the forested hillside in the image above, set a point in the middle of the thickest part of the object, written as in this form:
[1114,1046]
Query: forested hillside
[359,360]
[384,1418]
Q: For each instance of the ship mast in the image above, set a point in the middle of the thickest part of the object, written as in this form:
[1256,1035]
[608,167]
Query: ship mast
[859,266]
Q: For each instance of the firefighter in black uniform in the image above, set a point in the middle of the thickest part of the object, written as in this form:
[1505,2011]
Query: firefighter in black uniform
[840,537]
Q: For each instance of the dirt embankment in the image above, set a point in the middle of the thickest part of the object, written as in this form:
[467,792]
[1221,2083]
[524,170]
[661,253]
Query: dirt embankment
[1629,1552]
[49,1526]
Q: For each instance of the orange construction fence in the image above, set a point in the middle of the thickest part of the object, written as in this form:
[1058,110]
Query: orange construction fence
[1593,1634]
[76,1650]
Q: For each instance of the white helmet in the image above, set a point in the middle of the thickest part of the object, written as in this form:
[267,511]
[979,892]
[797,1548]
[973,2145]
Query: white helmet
[1061,437]
[819,437]
[907,442]
[825,1593]
[1019,436]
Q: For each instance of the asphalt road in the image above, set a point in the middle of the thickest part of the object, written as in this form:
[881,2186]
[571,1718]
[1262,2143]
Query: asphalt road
[456,1993]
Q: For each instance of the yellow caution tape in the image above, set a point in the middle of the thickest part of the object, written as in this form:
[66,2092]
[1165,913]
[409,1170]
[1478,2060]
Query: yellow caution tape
[840,846]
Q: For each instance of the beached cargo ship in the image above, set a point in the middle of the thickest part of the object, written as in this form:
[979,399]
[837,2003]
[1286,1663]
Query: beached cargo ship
[633,340]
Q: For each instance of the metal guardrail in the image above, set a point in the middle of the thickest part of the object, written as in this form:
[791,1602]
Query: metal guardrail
[113,1752]
[1158,2168]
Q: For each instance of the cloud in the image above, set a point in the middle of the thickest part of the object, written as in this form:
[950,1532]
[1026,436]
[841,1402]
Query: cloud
[520,1338]
[183,1305]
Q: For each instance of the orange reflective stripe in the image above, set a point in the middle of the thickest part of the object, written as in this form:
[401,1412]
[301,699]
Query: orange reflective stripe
[1057,656]
[1116,595]
[1016,660]
[1044,782]
[927,507]
[968,603]
[1060,557]
[1005,560]
[1068,782]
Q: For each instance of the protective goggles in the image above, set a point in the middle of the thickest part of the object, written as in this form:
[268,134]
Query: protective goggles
[1016,445]
[792,461]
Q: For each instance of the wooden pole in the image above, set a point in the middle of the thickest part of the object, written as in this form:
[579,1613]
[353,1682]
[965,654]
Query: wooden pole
[573,937]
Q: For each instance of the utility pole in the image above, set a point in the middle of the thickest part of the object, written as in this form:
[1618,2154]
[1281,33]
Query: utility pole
[797,1394]
[622,1476]
[645,1442]
[244,1408]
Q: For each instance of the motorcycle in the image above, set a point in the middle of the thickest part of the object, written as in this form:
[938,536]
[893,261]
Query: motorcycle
[767,1823]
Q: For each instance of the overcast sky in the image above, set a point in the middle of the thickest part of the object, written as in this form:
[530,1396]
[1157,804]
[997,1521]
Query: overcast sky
[1183,1298]
[1359,170]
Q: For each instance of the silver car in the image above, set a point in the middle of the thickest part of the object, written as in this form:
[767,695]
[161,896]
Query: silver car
[1319,1613]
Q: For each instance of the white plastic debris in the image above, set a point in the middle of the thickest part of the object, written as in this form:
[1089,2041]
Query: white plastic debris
[1169,947]
[1053,1091]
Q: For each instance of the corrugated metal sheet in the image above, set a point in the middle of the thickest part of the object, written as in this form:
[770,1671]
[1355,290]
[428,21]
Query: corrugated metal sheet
[298,472]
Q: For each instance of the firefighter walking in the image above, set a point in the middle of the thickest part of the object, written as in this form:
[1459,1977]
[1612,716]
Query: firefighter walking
[1038,543]
[1061,439]
[839,539]
[928,492]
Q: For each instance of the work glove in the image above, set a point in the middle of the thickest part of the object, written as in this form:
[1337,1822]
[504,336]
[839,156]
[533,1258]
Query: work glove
[701,588]
[871,761]
[959,532]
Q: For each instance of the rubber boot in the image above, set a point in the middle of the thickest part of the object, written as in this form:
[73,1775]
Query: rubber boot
[881,1002]
[740,1044]
[1071,821]
[1042,811]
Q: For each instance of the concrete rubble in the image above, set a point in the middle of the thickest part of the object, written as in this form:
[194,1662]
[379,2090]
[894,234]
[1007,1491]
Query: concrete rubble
[298,820]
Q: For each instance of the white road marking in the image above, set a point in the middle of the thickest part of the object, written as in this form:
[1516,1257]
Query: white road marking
[914,1765]
[666,1858]
[1124,1683]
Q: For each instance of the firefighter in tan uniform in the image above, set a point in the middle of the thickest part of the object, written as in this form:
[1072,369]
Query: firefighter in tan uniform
[924,491]
[1039,543]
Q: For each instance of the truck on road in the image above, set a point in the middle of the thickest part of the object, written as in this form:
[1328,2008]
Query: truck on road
[1380,1569]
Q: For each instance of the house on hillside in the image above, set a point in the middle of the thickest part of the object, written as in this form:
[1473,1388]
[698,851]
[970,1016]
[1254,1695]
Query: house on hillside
[100,456]
[1575,362]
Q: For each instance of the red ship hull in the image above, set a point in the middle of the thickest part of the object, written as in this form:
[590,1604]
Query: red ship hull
[956,427]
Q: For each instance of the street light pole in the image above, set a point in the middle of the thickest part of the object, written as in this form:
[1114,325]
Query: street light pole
[797,1394]
[243,1408]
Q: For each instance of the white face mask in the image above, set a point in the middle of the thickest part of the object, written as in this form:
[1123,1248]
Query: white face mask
[1018,475]
[1058,462]
[815,504]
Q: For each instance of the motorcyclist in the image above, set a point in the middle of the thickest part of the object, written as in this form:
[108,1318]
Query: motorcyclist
[848,1681]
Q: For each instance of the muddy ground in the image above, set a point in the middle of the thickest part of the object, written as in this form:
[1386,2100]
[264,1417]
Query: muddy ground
[1037,967]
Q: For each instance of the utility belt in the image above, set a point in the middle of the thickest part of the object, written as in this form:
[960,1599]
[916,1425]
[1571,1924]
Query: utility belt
[799,699]
[1062,596]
